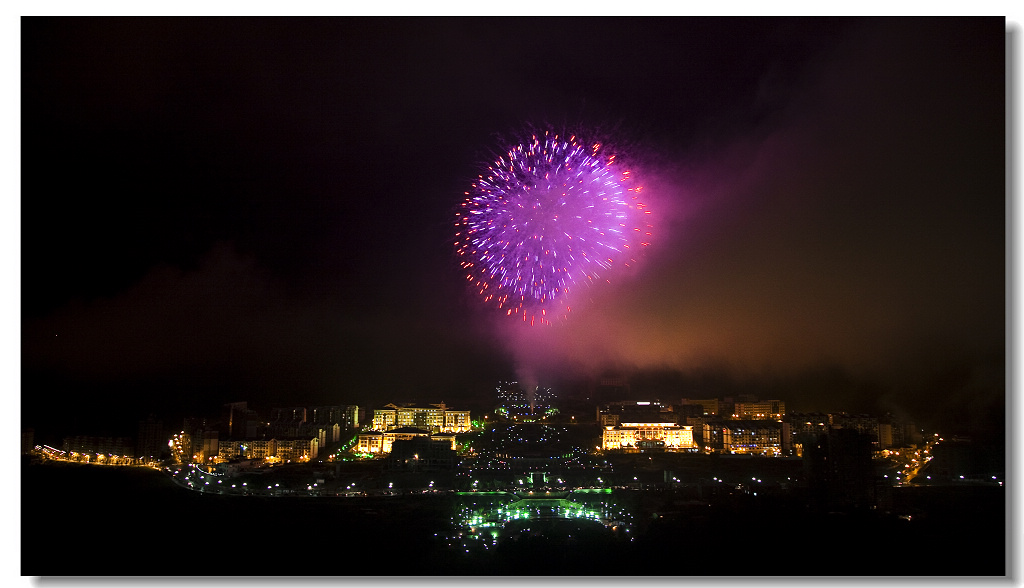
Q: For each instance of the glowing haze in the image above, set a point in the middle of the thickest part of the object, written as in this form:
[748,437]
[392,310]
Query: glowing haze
[552,214]
[828,200]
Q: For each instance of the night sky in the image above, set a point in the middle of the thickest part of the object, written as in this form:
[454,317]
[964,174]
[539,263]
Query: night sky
[227,209]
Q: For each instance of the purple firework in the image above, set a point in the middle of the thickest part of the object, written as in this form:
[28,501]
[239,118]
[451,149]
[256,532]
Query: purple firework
[551,214]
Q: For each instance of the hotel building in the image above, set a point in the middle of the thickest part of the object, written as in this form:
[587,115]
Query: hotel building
[436,418]
[635,436]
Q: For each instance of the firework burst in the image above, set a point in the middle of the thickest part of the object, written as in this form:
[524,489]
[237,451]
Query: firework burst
[551,215]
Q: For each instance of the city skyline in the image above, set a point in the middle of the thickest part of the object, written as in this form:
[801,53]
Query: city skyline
[261,209]
[239,422]
[533,496]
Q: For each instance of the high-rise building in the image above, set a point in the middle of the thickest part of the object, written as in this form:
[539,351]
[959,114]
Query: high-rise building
[346,415]
[710,406]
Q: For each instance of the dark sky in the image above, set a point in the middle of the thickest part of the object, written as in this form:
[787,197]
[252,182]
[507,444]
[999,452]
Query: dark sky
[232,209]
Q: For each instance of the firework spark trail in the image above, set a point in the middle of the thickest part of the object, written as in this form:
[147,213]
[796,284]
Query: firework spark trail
[550,215]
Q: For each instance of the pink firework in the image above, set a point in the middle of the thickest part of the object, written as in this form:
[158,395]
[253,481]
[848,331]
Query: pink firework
[552,214]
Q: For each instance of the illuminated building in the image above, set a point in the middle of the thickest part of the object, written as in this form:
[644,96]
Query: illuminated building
[227,450]
[120,446]
[394,417]
[289,436]
[277,449]
[297,449]
[746,437]
[647,435]
[370,442]
[456,421]
[377,442]
[759,410]
[436,418]
[261,448]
